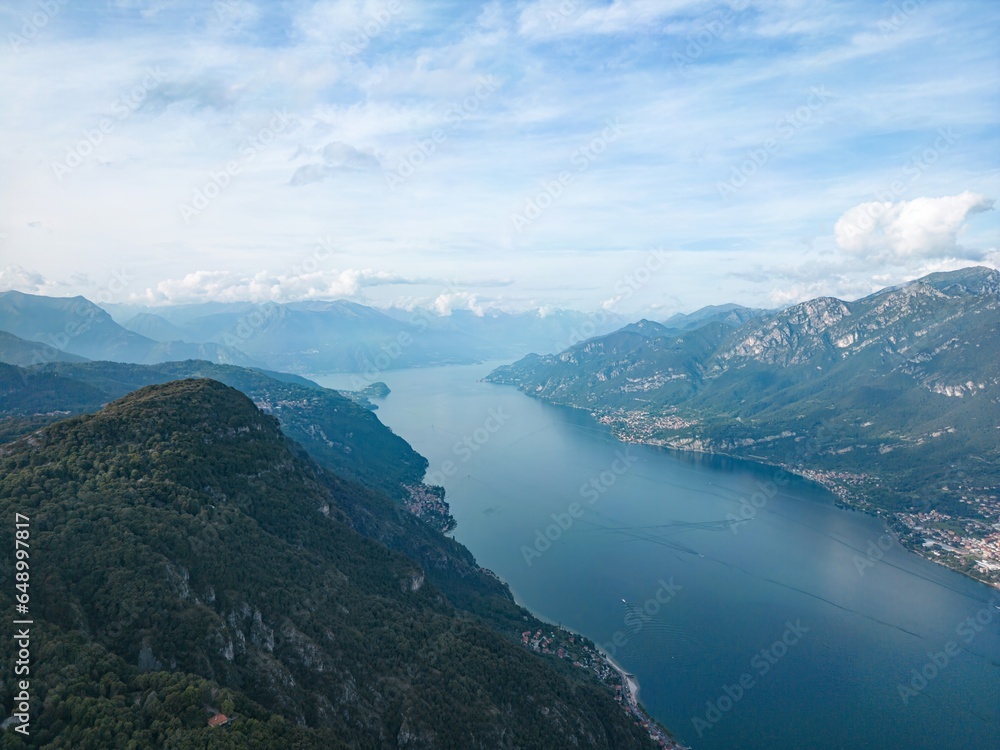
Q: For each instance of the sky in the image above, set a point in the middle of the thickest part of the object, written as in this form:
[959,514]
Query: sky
[647,157]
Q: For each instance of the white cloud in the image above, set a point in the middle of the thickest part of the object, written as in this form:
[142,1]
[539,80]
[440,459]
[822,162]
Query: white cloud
[919,228]
[224,286]
[229,65]
[336,157]
[448,301]
[30,282]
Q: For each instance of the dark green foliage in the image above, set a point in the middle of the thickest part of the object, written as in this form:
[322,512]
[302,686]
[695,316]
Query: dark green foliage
[185,554]
[336,431]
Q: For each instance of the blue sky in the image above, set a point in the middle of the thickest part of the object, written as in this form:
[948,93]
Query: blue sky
[518,155]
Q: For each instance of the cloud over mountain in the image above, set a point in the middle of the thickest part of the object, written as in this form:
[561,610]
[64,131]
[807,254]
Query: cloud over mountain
[919,228]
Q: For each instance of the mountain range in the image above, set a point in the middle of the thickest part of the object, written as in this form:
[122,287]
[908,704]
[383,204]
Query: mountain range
[59,326]
[343,336]
[892,400]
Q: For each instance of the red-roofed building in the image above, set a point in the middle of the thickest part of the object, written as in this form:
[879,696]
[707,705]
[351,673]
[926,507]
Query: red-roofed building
[219,720]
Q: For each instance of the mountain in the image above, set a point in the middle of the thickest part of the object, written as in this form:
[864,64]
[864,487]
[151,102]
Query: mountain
[730,315]
[75,325]
[651,329]
[727,316]
[502,334]
[338,434]
[16,351]
[315,336]
[892,401]
[154,327]
[187,558]
[341,336]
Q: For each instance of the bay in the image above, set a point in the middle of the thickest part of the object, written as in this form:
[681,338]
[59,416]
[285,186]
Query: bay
[803,626]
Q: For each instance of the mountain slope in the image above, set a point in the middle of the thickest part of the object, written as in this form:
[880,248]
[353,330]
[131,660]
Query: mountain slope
[182,533]
[336,431]
[338,434]
[77,326]
[730,315]
[893,400]
[341,336]
[154,327]
[16,351]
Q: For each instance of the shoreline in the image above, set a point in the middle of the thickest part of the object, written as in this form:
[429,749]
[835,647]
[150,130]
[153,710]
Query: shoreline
[839,500]
[657,732]
[628,679]
[630,686]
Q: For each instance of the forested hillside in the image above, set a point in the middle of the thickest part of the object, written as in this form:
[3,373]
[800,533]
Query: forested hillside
[187,557]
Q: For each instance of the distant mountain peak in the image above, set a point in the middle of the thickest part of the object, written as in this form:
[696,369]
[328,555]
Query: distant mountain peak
[649,328]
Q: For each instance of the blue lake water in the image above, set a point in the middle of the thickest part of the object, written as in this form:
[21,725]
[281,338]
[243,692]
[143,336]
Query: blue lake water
[795,629]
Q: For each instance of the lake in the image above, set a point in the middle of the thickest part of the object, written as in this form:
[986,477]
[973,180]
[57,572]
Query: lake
[753,612]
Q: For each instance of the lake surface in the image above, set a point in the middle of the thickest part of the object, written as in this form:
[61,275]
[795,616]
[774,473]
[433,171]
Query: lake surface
[795,629]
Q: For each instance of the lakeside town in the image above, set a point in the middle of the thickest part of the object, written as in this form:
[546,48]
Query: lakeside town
[427,503]
[949,541]
[968,545]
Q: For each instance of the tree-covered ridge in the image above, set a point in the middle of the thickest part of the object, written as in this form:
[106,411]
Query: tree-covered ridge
[338,432]
[367,452]
[179,531]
